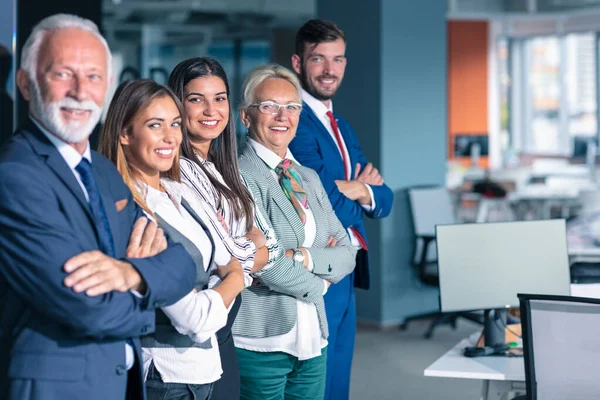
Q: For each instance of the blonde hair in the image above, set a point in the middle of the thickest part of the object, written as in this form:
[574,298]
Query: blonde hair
[260,74]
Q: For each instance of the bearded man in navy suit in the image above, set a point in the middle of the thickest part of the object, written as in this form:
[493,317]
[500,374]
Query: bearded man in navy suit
[327,143]
[79,282]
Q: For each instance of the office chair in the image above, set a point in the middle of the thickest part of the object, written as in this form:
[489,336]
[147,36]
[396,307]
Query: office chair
[431,206]
[561,346]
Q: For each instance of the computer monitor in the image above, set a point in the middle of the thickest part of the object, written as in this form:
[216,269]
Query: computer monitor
[463,145]
[580,145]
[485,266]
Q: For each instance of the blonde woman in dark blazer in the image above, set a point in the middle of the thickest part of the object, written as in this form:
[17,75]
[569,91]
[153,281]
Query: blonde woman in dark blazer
[281,337]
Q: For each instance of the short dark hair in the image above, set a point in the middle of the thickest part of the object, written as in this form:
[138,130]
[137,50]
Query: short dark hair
[317,31]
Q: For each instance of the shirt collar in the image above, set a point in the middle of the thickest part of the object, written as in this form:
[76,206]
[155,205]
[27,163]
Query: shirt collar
[268,156]
[155,197]
[201,159]
[70,155]
[316,105]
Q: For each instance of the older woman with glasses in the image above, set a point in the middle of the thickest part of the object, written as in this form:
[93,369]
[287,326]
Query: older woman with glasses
[285,357]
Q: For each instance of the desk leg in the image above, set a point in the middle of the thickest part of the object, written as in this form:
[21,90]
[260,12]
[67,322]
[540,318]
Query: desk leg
[482,211]
[495,390]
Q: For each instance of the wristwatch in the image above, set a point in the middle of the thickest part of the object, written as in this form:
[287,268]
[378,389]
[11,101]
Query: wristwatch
[299,256]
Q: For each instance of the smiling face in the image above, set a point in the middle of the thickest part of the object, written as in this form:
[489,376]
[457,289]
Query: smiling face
[273,131]
[321,69]
[69,88]
[151,145]
[206,106]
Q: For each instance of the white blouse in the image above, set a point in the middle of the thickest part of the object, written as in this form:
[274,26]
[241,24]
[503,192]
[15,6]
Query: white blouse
[199,315]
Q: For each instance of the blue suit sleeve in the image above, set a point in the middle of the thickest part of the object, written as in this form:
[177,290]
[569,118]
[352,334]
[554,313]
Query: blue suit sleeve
[36,241]
[384,197]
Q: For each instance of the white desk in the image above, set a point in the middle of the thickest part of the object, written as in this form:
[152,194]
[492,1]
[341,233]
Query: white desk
[584,251]
[539,198]
[500,375]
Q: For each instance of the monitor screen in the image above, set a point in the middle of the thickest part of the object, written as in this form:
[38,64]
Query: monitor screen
[580,145]
[484,266]
[464,143]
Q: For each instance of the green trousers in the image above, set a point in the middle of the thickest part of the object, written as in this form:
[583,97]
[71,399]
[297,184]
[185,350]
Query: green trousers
[280,376]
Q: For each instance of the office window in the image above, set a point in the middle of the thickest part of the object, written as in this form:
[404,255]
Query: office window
[548,93]
[503,51]
[580,84]
[542,128]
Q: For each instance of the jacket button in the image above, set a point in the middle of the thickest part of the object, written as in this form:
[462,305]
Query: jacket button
[305,294]
[329,268]
[146,329]
[159,303]
[121,369]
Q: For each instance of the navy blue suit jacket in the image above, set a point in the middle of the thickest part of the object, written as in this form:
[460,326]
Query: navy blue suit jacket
[55,343]
[314,147]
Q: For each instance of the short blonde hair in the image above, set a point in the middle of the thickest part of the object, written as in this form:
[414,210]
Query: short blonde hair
[260,74]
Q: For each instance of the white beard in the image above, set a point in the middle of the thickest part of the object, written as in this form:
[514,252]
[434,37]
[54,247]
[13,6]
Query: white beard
[49,116]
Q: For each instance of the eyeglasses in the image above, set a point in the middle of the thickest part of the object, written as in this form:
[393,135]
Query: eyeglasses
[270,107]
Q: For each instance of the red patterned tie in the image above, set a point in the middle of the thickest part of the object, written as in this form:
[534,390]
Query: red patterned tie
[338,139]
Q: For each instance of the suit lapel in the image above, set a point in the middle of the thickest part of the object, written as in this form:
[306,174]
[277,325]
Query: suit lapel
[42,146]
[314,205]
[191,211]
[328,139]
[108,202]
[279,198]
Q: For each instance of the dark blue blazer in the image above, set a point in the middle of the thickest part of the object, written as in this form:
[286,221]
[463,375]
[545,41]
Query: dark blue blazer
[55,343]
[314,147]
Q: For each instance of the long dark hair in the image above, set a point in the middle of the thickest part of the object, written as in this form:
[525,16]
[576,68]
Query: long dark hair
[130,99]
[223,149]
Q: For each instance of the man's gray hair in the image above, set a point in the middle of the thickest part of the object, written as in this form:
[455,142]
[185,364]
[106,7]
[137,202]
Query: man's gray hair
[261,74]
[31,48]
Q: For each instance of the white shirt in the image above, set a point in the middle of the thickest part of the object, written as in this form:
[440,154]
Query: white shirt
[304,341]
[73,158]
[199,315]
[320,111]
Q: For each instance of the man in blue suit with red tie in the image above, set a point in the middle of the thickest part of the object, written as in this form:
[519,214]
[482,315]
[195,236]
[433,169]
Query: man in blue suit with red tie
[327,143]
[77,287]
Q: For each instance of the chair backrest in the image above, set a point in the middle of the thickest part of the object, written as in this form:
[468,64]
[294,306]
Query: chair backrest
[561,346]
[430,206]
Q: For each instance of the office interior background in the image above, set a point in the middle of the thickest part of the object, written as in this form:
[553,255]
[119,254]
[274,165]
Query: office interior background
[441,93]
